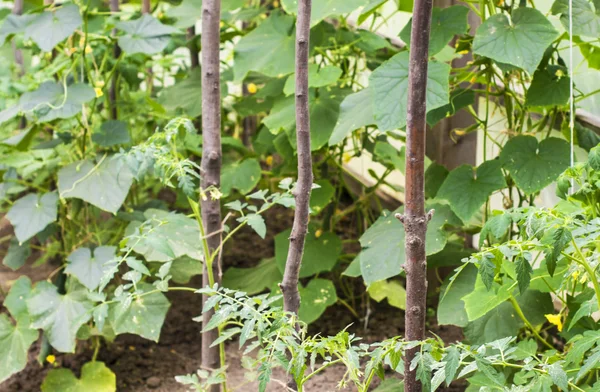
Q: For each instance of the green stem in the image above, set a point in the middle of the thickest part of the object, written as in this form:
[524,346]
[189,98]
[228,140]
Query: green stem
[305,379]
[589,270]
[520,313]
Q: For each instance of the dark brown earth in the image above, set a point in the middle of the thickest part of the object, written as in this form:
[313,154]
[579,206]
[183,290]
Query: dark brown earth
[144,366]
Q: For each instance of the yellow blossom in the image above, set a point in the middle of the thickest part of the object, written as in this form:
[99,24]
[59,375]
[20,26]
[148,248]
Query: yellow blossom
[559,73]
[131,348]
[318,233]
[275,4]
[99,92]
[269,160]
[70,51]
[555,319]
[51,359]
[221,24]
[463,52]
[99,83]
[215,194]
[346,157]
[252,89]
[575,275]
[88,49]
[81,41]
[473,80]
[263,16]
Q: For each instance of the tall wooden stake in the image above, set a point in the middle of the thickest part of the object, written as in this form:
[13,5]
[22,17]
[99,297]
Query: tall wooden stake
[415,219]
[211,162]
[289,285]
[112,93]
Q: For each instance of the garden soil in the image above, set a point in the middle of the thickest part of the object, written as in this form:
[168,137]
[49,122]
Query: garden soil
[144,366]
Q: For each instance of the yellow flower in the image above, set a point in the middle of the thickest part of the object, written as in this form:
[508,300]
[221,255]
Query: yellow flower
[99,83]
[559,73]
[215,194]
[473,80]
[88,49]
[99,92]
[221,24]
[463,52]
[318,233]
[252,89]
[81,41]
[346,157]
[555,320]
[51,359]
[575,275]
[70,51]
[269,160]
[131,348]
[275,4]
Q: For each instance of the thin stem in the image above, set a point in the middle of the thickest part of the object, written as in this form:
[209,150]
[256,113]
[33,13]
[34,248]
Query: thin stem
[589,270]
[521,315]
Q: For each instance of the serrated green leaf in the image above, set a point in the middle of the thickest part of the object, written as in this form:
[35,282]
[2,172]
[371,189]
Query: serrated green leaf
[467,190]
[53,26]
[269,49]
[356,111]
[95,376]
[594,158]
[524,272]
[452,362]
[558,375]
[257,223]
[60,316]
[88,268]
[519,41]
[104,184]
[145,35]
[243,176]
[535,165]
[320,254]
[445,24]
[14,345]
[389,82]
[32,213]
[144,316]
[112,133]
[165,236]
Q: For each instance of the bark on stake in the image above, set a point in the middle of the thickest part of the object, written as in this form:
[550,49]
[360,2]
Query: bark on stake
[211,161]
[289,285]
[415,219]
[18,53]
[112,93]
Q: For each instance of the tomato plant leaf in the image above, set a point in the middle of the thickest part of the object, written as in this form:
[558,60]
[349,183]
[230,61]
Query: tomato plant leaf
[32,213]
[15,341]
[145,35]
[95,376]
[320,253]
[53,26]
[467,189]
[524,272]
[269,49]
[520,41]
[356,111]
[165,236]
[558,375]
[445,24]
[389,82]
[257,223]
[143,316]
[535,165]
[60,316]
[88,268]
[243,176]
[104,184]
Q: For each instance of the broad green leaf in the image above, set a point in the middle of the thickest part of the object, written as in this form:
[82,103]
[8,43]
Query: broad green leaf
[321,197]
[459,99]
[104,184]
[382,255]
[324,8]
[467,189]
[145,35]
[498,323]
[316,77]
[549,87]
[16,254]
[356,111]
[324,110]
[524,272]
[88,268]
[15,24]
[370,9]
[32,213]
[586,16]
[390,385]
[185,95]
[165,236]
[269,49]
[520,41]
[60,316]
[111,133]
[591,53]
[589,363]
[144,316]
[389,83]
[390,156]
[15,341]
[445,24]
[243,176]
[481,300]
[390,289]
[185,268]
[320,254]
[581,345]
[353,270]
[190,11]
[435,175]
[586,138]
[495,229]
[315,297]
[253,280]
[594,158]
[53,26]
[95,376]
[451,308]
[535,165]
[15,301]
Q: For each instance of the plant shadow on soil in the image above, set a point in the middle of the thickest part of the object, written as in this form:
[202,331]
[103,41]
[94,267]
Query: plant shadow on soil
[145,366]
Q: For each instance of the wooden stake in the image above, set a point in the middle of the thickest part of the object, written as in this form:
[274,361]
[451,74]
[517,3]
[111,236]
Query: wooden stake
[415,219]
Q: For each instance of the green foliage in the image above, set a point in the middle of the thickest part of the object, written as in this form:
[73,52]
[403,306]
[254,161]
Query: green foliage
[95,376]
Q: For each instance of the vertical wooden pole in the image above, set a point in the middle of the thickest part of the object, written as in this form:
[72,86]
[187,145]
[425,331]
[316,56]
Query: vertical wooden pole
[112,94]
[211,161]
[146,7]
[18,10]
[289,284]
[415,219]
